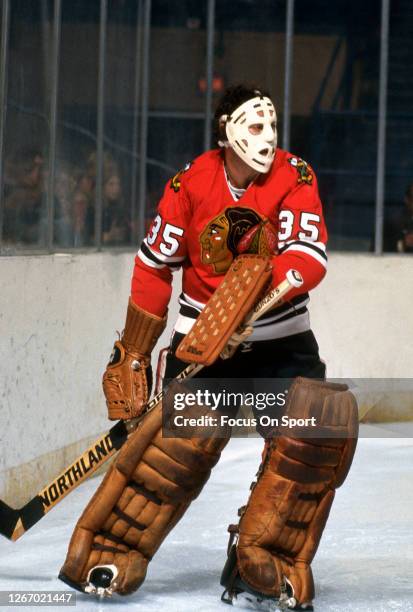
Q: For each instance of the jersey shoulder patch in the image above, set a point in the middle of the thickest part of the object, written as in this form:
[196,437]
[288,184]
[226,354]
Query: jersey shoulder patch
[175,183]
[305,173]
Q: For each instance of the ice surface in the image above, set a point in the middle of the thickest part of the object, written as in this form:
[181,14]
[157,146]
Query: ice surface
[364,562]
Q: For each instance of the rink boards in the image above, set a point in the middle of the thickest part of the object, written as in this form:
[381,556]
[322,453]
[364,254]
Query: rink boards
[58,319]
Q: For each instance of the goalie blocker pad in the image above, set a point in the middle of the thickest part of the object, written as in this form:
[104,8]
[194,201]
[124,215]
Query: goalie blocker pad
[235,297]
[143,495]
[281,526]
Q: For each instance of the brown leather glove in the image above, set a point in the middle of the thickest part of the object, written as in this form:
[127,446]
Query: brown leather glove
[127,380]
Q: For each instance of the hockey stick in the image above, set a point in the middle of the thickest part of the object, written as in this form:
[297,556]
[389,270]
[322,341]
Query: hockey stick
[15,522]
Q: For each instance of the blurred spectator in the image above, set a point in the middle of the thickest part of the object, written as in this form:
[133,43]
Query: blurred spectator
[110,167]
[65,185]
[405,240]
[86,184]
[83,229]
[25,202]
[25,208]
[115,222]
[76,189]
[73,208]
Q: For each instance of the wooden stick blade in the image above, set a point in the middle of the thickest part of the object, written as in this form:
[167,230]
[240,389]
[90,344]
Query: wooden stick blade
[9,518]
[15,522]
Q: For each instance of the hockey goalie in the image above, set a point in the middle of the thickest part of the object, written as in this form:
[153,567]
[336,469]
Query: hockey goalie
[239,220]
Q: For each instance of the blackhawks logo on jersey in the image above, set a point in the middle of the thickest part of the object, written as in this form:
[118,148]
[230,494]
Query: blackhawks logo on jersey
[176,180]
[235,231]
[305,173]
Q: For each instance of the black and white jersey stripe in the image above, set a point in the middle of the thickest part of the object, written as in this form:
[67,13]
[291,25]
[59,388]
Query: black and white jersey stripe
[153,259]
[288,319]
[317,250]
[189,306]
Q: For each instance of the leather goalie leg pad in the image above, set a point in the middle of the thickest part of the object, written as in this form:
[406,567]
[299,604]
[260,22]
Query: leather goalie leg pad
[281,526]
[143,495]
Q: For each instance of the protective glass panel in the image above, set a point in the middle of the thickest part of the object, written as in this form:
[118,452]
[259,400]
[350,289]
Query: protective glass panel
[75,175]
[398,219]
[3,49]
[121,122]
[250,47]
[176,94]
[334,111]
[26,134]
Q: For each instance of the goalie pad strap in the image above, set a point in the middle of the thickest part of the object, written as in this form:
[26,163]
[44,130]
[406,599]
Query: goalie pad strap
[282,524]
[144,494]
[226,309]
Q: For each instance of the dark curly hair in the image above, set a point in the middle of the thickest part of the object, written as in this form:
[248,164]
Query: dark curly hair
[233,97]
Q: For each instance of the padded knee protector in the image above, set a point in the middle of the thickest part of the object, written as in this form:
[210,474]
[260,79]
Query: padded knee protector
[281,526]
[142,497]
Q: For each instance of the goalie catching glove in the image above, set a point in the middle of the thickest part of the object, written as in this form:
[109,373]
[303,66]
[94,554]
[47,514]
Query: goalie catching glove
[127,380]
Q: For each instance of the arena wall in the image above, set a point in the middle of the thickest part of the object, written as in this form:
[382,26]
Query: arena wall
[58,316]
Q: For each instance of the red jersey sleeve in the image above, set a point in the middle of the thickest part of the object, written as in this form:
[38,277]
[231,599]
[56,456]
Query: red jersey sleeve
[302,234]
[163,250]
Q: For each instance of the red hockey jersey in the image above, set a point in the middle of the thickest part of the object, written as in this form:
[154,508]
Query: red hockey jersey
[203,223]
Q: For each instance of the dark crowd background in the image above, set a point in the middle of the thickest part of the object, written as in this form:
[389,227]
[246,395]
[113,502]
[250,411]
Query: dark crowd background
[103,102]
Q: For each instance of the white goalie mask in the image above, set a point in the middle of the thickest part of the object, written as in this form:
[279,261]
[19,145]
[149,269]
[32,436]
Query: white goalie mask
[252,133]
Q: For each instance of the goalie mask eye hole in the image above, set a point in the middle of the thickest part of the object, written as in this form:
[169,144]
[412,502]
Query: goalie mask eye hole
[255,128]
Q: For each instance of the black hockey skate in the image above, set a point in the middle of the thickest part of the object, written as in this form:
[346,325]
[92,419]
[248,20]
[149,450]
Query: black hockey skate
[238,590]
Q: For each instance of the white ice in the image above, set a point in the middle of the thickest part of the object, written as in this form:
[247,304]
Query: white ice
[364,562]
